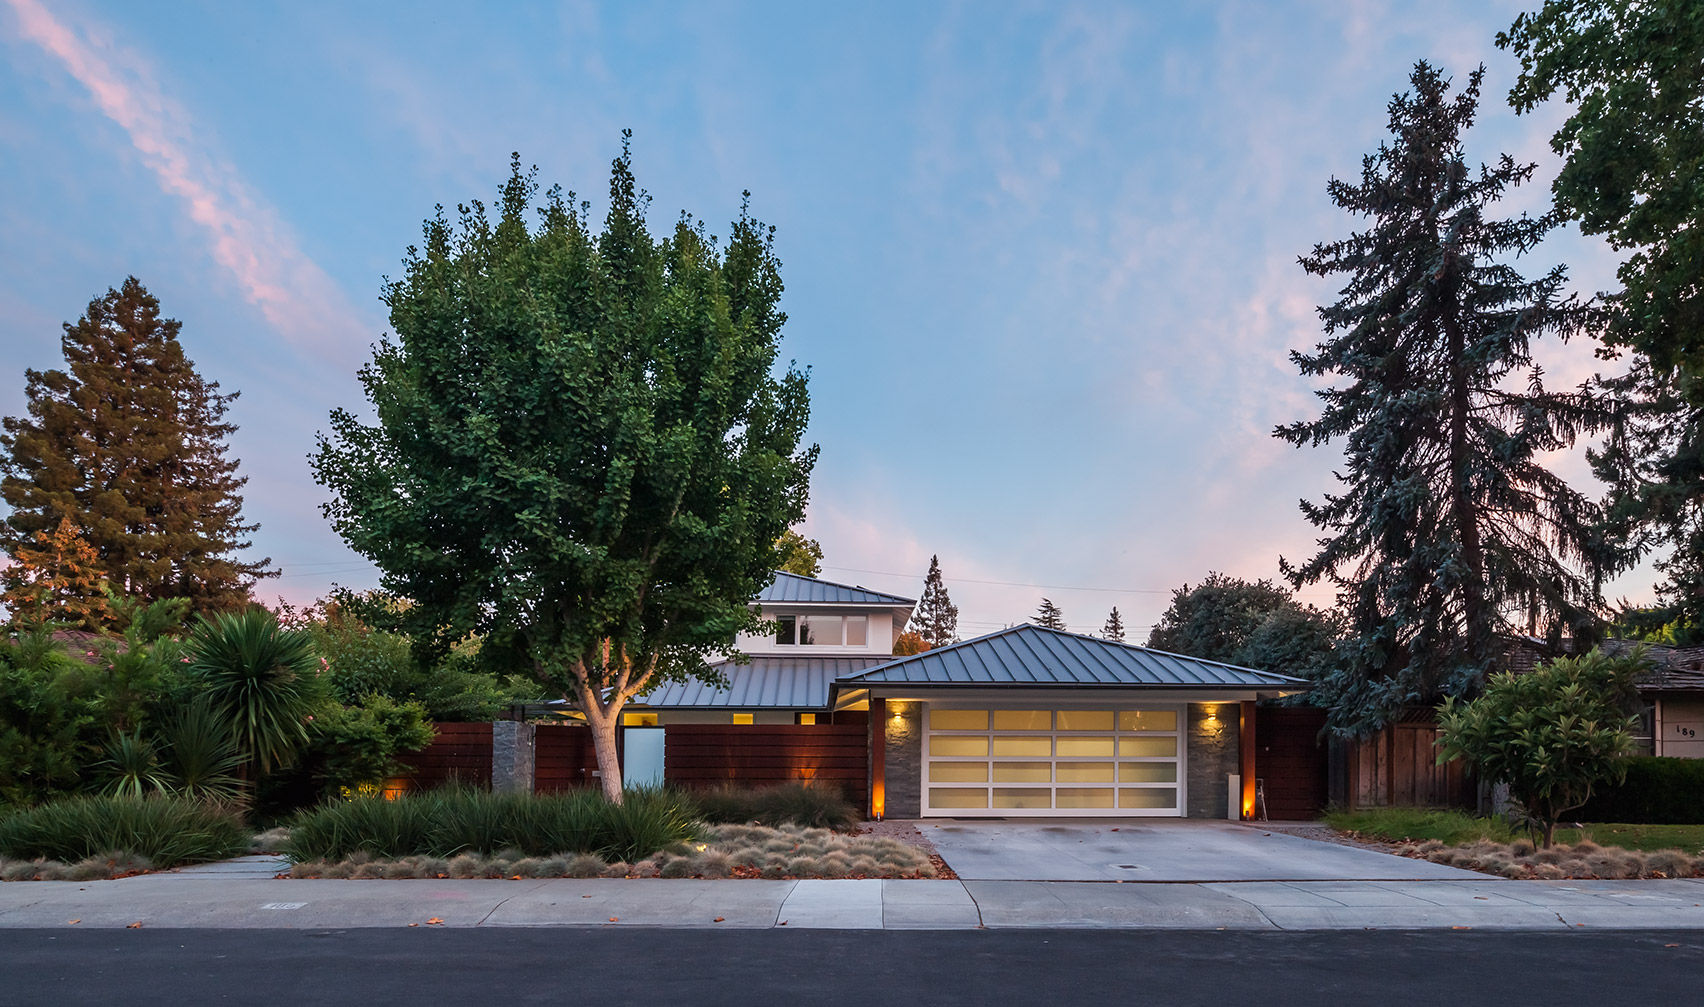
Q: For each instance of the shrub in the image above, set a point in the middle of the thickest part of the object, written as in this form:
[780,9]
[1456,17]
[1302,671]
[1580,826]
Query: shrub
[261,679]
[1660,791]
[166,830]
[1553,735]
[454,821]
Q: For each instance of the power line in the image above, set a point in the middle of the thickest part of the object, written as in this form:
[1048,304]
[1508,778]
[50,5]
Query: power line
[1049,587]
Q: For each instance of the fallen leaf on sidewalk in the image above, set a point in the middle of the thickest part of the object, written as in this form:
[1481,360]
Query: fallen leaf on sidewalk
[515,878]
[721,918]
[782,923]
[414,924]
[614,919]
[133,926]
[1665,945]
[434,921]
[585,896]
[80,919]
[1461,928]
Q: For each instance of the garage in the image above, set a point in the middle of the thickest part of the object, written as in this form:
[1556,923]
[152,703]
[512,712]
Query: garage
[1031,722]
[979,760]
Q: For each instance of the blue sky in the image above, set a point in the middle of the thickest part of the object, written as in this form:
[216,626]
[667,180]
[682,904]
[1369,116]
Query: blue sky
[1041,258]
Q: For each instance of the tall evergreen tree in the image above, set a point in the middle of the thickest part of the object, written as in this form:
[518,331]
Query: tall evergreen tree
[1633,149]
[1048,616]
[1114,628]
[936,617]
[128,441]
[1448,530]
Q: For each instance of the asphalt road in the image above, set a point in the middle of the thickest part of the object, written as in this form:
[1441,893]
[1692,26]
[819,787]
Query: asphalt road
[588,966]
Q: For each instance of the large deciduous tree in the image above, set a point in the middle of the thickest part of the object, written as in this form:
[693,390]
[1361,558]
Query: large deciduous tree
[1448,530]
[1633,148]
[129,442]
[799,555]
[1254,624]
[936,618]
[584,452]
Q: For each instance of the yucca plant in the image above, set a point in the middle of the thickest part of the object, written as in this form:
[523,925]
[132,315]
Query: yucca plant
[201,754]
[262,680]
[132,766]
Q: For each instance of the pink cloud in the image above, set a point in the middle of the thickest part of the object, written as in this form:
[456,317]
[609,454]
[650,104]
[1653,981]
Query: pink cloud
[246,237]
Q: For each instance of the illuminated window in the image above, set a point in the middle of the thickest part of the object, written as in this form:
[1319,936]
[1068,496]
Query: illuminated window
[638,720]
[807,718]
[742,718]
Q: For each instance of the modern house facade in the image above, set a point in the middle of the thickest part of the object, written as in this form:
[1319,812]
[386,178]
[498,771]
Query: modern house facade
[1024,722]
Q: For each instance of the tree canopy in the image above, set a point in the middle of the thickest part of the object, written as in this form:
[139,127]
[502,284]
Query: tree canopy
[799,554]
[128,442]
[1049,615]
[1633,152]
[583,451]
[1449,530]
[1252,624]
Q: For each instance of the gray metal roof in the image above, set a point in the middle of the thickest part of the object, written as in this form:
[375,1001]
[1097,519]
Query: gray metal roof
[789,683]
[791,588]
[1031,655]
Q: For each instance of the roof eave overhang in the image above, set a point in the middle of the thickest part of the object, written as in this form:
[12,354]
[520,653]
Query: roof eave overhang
[980,691]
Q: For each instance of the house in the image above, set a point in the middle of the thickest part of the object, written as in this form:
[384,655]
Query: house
[1023,722]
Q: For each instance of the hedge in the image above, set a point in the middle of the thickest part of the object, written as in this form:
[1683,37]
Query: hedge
[1657,791]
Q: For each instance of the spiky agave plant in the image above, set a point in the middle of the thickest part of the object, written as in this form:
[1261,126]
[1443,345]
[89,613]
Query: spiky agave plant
[132,766]
[201,753]
[262,680]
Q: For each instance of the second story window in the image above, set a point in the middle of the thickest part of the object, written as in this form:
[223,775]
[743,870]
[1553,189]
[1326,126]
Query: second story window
[822,630]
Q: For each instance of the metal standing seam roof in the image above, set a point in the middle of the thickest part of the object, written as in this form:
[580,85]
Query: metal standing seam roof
[801,683]
[1033,656]
[790,588]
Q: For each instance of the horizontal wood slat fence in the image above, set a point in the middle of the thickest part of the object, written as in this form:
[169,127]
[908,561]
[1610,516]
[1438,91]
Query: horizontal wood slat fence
[458,753]
[754,755]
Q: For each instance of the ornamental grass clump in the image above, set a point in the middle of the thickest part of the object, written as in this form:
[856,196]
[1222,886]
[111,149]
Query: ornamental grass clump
[1521,861]
[168,831]
[451,822]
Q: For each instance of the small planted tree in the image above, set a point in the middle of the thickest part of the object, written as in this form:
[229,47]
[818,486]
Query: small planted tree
[1553,735]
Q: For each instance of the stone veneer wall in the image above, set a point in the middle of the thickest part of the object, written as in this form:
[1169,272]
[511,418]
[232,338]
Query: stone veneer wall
[512,756]
[1213,753]
[904,777]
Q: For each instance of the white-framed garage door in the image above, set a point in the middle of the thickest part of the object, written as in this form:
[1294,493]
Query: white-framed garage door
[1059,761]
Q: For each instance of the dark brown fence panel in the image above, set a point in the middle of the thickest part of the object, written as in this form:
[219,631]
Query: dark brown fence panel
[1291,761]
[709,755]
[563,758]
[1398,767]
[458,753]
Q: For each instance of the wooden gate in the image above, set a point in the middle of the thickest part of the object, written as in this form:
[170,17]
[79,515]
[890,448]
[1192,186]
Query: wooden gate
[1291,761]
[563,758]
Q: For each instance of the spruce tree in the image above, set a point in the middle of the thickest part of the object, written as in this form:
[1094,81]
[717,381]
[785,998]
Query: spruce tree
[1114,628]
[1448,531]
[1048,616]
[128,441]
[56,579]
[936,617]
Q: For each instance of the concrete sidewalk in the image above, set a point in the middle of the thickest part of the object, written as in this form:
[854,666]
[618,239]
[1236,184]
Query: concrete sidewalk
[221,896]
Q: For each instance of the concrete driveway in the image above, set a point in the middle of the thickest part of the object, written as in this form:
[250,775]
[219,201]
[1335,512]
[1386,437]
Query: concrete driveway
[1172,850]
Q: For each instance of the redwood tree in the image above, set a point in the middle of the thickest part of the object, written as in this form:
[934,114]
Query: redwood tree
[584,452]
[129,442]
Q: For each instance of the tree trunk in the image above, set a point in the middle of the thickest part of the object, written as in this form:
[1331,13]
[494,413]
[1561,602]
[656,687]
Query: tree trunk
[602,725]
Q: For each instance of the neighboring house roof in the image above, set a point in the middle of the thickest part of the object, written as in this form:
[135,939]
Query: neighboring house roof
[1033,656]
[791,683]
[790,588]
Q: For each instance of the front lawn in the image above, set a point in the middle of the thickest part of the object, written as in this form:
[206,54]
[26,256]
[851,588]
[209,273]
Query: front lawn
[1457,828]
